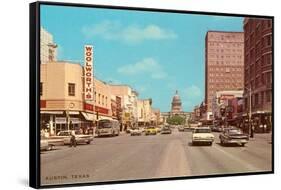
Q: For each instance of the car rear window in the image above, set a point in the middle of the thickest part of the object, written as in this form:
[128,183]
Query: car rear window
[202,131]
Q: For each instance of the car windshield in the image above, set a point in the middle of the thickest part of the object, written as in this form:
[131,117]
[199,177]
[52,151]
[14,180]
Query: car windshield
[235,132]
[202,130]
[65,133]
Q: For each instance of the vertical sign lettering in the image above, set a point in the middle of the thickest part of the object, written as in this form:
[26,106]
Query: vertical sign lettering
[88,68]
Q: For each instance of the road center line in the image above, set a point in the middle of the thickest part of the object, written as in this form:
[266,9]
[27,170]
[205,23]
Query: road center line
[173,162]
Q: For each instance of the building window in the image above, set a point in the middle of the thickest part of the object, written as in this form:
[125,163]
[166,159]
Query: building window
[256,99]
[262,97]
[99,98]
[41,88]
[71,89]
[268,40]
[268,96]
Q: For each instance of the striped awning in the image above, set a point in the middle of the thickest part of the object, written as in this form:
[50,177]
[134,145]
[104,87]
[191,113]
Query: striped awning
[50,112]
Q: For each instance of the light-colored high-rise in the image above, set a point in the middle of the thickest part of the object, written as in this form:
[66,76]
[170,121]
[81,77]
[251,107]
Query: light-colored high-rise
[224,64]
[48,49]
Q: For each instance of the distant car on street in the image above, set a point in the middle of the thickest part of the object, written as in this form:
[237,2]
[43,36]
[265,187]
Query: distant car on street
[135,131]
[202,135]
[233,136]
[150,131]
[166,130]
[216,128]
[181,128]
[79,138]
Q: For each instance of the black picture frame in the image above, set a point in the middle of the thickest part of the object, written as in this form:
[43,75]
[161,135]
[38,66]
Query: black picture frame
[34,92]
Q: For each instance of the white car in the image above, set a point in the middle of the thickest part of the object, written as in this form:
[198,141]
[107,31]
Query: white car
[45,145]
[202,135]
[135,131]
[80,138]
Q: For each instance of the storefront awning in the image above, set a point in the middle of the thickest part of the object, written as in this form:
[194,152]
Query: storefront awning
[104,117]
[51,112]
[88,116]
[73,112]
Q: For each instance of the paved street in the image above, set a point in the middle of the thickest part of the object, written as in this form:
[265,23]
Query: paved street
[140,157]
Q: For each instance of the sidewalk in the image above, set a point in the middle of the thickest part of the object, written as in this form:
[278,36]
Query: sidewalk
[262,136]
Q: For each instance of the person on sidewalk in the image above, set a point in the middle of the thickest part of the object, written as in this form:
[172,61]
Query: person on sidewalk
[73,139]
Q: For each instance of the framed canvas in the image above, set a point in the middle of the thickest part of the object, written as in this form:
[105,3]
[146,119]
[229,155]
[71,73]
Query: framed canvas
[122,94]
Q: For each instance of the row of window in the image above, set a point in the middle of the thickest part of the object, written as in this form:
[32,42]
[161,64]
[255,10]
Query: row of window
[226,69]
[263,79]
[265,41]
[223,80]
[224,86]
[225,62]
[225,50]
[224,56]
[258,99]
[71,89]
[101,99]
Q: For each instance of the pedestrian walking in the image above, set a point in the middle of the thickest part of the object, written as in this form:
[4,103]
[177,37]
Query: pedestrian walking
[73,139]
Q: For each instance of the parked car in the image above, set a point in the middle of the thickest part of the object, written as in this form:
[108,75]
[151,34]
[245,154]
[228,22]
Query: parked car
[186,128]
[135,131]
[150,131]
[158,129]
[166,130]
[80,138]
[181,128]
[217,128]
[202,135]
[45,145]
[233,136]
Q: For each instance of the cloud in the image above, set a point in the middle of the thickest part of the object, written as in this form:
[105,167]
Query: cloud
[193,91]
[146,66]
[114,30]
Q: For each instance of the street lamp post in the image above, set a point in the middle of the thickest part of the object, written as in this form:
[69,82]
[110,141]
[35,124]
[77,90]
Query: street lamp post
[251,131]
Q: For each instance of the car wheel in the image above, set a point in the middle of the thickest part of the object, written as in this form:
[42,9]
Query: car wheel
[210,143]
[193,143]
[88,142]
[243,144]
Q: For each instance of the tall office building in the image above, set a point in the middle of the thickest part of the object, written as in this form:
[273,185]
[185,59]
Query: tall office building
[224,64]
[258,68]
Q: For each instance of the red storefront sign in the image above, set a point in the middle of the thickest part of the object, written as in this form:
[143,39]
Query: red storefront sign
[101,110]
[88,107]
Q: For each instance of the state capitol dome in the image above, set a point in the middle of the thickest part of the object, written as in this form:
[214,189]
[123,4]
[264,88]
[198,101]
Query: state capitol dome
[176,104]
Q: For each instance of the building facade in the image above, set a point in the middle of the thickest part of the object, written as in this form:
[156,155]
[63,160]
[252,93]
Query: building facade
[144,112]
[224,64]
[226,107]
[62,104]
[128,103]
[48,49]
[258,70]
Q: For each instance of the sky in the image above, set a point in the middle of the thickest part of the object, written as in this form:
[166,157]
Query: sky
[153,52]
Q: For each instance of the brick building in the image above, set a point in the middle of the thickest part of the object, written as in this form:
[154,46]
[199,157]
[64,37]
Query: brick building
[258,69]
[224,64]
